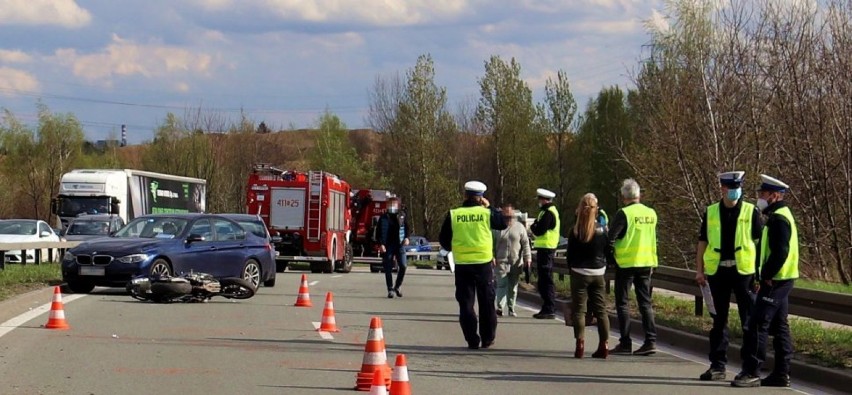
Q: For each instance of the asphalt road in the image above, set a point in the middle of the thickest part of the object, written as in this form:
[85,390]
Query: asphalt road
[264,345]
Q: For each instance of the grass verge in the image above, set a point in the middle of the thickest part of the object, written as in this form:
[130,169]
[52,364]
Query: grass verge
[824,286]
[17,279]
[814,343]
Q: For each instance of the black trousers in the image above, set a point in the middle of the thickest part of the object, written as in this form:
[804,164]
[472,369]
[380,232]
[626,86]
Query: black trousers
[546,288]
[476,282]
[722,283]
[392,252]
[770,313]
[640,278]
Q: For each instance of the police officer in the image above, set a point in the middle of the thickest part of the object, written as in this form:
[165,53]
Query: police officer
[467,233]
[725,259]
[778,268]
[633,251]
[546,231]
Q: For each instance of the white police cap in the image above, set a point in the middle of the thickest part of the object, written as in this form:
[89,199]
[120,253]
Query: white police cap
[732,179]
[768,183]
[475,188]
[544,193]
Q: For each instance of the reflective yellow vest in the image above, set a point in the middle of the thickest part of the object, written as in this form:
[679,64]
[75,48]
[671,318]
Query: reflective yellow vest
[549,239]
[472,242]
[790,270]
[745,250]
[638,247]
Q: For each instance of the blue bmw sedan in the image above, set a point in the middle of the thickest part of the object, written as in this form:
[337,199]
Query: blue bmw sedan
[170,244]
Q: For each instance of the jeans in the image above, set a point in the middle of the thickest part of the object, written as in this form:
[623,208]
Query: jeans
[476,282]
[508,277]
[770,313]
[722,283]
[640,278]
[546,288]
[392,252]
[589,289]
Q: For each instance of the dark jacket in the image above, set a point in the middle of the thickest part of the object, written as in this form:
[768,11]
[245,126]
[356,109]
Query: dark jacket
[391,227]
[446,236]
[779,231]
[545,223]
[591,255]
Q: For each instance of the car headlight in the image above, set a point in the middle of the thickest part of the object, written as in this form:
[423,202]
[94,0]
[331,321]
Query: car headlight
[69,256]
[133,258]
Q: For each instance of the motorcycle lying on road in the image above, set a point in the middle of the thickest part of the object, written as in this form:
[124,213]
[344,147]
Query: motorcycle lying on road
[191,287]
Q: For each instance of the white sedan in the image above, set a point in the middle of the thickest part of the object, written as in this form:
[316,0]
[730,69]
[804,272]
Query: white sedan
[25,231]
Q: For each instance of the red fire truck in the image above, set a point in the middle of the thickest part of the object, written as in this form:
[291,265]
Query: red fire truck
[307,215]
[367,206]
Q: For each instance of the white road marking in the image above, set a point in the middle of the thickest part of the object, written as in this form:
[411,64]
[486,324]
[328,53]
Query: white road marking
[323,334]
[312,283]
[13,323]
[337,276]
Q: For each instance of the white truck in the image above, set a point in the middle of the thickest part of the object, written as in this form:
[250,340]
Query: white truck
[127,193]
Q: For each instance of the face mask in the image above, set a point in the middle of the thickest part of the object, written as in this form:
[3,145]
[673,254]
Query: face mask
[762,204]
[393,209]
[735,194]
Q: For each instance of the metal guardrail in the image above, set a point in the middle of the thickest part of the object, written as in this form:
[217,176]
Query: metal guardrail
[819,305]
[53,247]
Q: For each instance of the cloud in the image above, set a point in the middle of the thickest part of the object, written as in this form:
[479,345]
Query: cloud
[65,13]
[14,56]
[126,58]
[14,82]
[371,12]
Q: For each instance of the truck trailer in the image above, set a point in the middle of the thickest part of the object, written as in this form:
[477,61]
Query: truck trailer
[127,193]
[307,214]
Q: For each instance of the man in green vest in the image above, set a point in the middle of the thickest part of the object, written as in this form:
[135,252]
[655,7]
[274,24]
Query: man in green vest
[725,260]
[546,231]
[633,252]
[466,233]
[778,269]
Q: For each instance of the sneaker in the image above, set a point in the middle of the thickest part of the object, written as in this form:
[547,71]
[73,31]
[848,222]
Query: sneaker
[499,313]
[512,313]
[745,380]
[776,380]
[646,349]
[544,316]
[398,294]
[621,349]
[713,375]
[390,294]
[486,344]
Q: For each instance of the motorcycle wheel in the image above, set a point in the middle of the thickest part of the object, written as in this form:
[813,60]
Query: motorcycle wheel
[163,292]
[236,288]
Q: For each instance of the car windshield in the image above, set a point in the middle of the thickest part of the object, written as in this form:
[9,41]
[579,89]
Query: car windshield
[255,227]
[88,228]
[18,227]
[153,228]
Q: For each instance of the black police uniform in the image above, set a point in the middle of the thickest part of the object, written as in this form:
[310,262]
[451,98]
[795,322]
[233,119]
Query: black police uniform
[544,263]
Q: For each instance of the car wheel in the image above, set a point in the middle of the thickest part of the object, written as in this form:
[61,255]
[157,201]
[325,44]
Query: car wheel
[346,265]
[251,273]
[374,269]
[161,267]
[438,266]
[316,267]
[281,266]
[270,283]
[80,286]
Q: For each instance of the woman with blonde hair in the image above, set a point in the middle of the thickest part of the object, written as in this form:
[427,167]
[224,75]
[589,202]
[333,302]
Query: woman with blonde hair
[587,244]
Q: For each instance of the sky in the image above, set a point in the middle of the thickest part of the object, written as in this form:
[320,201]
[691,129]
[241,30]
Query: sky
[285,62]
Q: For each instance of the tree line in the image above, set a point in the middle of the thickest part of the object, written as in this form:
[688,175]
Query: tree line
[760,86]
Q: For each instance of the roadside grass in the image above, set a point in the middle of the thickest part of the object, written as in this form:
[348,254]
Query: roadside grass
[17,279]
[824,286]
[814,343]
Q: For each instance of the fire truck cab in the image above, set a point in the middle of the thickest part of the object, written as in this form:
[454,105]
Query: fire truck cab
[307,213]
[367,206]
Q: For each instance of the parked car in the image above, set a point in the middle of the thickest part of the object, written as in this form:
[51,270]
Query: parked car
[254,224]
[87,227]
[25,231]
[169,244]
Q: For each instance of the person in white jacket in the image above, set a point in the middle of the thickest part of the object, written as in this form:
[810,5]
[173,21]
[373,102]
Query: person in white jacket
[511,253]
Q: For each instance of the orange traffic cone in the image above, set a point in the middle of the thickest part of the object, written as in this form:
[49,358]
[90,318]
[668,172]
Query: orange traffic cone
[375,357]
[304,298]
[399,379]
[57,312]
[328,324]
[378,387]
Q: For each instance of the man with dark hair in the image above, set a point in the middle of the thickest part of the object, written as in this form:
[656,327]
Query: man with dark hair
[393,237]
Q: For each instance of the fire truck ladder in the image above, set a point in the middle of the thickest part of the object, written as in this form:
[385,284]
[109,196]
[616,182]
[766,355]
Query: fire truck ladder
[315,205]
